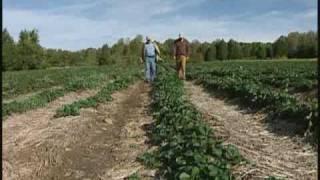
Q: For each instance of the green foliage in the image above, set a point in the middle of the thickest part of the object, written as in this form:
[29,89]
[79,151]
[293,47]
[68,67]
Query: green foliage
[166,49]
[265,85]
[150,160]
[269,51]
[293,43]
[28,54]
[195,49]
[281,47]
[222,50]
[90,56]
[22,82]
[246,50]
[88,82]
[302,45]
[187,147]
[134,176]
[32,102]
[273,178]
[135,46]
[60,58]
[8,51]
[234,50]
[261,52]
[211,53]
[102,96]
[72,79]
[104,55]
[29,51]
[308,43]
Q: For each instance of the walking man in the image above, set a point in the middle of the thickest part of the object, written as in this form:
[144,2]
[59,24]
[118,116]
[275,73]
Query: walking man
[150,51]
[181,55]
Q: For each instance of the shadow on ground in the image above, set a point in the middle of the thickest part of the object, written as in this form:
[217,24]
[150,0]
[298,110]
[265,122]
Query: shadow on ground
[277,125]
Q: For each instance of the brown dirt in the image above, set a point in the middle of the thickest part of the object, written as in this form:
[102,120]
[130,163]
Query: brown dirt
[270,154]
[101,143]
[304,96]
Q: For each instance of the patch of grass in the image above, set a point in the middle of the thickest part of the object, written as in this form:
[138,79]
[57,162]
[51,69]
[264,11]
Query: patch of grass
[17,83]
[133,146]
[36,101]
[71,79]
[273,178]
[102,96]
[150,160]
[188,148]
[21,82]
[90,82]
[133,176]
[265,85]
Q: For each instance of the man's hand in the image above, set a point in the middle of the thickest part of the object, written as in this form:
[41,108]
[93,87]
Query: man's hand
[174,57]
[141,60]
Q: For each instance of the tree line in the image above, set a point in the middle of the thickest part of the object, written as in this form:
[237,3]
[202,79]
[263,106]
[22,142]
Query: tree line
[27,53]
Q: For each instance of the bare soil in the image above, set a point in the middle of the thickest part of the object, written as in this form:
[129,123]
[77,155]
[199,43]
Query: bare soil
[104,142]
[101,143]
[304,96]
[270,154]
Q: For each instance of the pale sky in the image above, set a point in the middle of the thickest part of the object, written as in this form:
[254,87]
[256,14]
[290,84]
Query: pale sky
[78,24]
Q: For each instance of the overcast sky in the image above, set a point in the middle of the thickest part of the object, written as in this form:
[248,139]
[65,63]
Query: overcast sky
[78,24]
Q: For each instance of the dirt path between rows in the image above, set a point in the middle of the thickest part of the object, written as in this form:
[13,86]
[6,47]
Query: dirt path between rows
[270,154]
[101,143]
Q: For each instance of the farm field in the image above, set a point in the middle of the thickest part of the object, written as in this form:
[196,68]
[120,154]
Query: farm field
[282,89]
[25,90]
[229,120]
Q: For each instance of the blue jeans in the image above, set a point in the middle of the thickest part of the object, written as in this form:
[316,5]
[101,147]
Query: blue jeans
[150,68]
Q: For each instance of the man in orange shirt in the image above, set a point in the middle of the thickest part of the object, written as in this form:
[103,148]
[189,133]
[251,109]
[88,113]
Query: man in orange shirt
[181,55]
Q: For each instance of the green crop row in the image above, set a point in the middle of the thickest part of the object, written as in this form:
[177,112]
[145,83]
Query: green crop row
[254,92]
[102,96]
[90,79]
[22,82]
[42,98]
[188,148]
[36,101]
[258,96]
[296,77]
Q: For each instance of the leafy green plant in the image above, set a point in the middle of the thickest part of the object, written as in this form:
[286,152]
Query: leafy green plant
[134,176]
[17,83]
[187,147]
[102,96]
[273,178]
[264,85]
[72,79]
[36,101]
[150,160]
